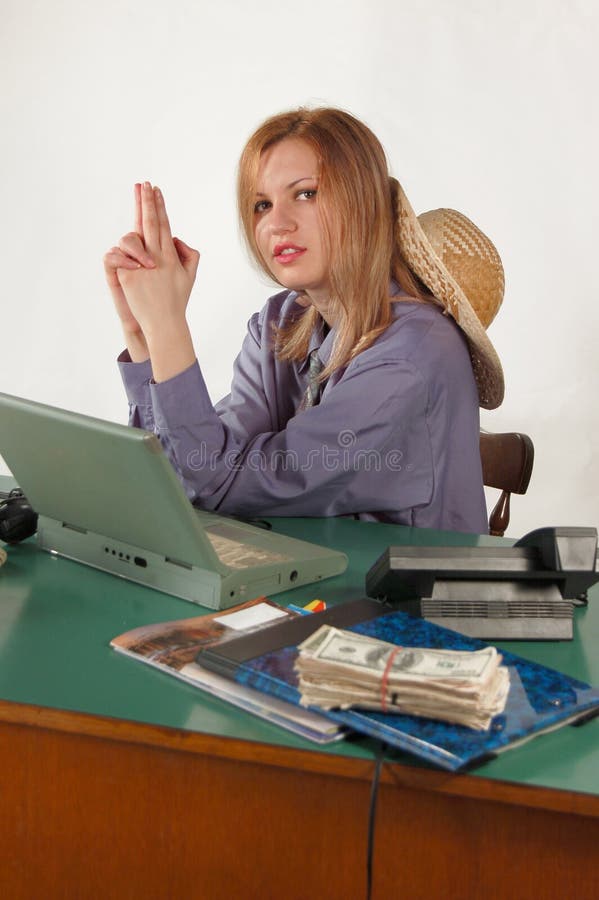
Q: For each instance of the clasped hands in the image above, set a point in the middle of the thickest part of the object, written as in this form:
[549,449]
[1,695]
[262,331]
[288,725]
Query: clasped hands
[150,275]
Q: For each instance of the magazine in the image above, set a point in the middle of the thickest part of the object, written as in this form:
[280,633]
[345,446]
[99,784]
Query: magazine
[173,646]
[540,699]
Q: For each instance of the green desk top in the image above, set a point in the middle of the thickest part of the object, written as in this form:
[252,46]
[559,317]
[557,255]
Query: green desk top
[57,618]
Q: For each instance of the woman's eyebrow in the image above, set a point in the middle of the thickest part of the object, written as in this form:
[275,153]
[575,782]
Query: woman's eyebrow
[303,178]
[293,183]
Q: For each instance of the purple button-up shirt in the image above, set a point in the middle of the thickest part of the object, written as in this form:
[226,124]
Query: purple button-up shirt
[395,437]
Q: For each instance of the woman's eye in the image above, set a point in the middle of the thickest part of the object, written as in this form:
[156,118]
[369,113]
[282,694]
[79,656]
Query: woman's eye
[261,206]
[307,194]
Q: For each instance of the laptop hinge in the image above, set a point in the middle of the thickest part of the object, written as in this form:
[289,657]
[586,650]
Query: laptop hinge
[178,562]
[74,528]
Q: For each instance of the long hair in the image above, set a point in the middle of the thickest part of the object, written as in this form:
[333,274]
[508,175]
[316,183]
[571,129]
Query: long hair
[356,202]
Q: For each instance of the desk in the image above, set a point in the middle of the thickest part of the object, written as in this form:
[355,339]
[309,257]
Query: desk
[119,781]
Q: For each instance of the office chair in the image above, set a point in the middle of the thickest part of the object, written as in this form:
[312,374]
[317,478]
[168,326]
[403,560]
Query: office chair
[507,461]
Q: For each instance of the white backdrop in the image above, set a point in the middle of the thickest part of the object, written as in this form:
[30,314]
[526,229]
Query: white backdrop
[489,108]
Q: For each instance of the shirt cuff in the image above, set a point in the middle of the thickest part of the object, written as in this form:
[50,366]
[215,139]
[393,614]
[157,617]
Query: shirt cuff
[136,378]
[182,400]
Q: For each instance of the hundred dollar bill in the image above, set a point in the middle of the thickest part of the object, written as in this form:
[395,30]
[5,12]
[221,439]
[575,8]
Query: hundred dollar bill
[340,669]
[357,651]
[431,703]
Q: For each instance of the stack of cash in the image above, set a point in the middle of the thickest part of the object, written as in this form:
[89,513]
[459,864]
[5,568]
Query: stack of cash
[339,669]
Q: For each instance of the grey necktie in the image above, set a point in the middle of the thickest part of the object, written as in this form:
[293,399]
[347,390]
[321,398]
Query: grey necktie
[312,394]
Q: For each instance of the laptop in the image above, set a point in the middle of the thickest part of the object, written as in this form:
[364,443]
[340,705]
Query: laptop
[107,496]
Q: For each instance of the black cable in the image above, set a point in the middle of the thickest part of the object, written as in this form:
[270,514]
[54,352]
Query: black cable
[374,790]
[259,523]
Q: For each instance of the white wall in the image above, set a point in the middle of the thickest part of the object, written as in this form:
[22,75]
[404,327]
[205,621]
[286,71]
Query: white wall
[487,107]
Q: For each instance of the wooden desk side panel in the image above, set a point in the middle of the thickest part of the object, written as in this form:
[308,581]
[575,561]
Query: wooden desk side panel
[95,818]
[432,846]
[88,818]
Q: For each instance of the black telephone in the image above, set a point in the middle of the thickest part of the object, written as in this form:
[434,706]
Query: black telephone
[527,591]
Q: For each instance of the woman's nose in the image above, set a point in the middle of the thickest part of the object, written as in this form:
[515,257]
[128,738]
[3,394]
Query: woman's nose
[281,220]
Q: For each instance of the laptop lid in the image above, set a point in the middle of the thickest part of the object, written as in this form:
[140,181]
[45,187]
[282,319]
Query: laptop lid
[103,477]
[91,475]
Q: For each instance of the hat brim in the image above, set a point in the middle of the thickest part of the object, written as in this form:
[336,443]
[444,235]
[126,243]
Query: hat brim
[424,261]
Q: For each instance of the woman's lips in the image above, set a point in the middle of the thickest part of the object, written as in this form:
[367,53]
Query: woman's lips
[287,253]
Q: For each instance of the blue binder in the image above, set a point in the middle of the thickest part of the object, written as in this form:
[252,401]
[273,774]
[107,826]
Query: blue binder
[540,698]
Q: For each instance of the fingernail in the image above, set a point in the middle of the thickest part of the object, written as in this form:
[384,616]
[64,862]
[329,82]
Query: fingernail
[158,192]
[147,185]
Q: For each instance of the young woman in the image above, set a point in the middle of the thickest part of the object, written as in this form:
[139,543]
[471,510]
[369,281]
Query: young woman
[357,387]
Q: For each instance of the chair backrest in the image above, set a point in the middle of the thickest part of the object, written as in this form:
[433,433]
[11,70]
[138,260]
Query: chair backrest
[507,461]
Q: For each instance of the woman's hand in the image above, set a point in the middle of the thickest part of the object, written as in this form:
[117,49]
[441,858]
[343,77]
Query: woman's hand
[150,275]
[129,254]
[158,286]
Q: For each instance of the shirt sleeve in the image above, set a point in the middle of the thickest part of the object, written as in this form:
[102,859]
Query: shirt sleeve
[364,447]
[246,410]
[249,409]
[136,379]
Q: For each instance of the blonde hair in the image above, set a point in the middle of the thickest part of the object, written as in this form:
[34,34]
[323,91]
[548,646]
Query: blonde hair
[357,202]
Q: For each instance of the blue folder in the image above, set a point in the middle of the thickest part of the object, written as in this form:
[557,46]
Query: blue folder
[540,699]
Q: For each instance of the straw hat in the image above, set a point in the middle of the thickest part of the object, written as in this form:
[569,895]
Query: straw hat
[463,271]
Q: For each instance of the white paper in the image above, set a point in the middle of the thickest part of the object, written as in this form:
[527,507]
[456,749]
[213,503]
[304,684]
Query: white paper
[249,618]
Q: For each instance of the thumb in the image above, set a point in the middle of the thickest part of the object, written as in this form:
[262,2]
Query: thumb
[188,257]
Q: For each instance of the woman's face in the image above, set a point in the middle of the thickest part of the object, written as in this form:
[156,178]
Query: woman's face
[287,222]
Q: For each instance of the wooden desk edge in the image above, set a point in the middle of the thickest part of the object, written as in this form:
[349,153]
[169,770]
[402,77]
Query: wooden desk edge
[310,761]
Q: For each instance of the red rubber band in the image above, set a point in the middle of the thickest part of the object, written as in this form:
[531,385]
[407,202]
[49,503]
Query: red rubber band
[385,677]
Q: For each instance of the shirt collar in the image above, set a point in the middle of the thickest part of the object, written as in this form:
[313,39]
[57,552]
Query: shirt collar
[323,340]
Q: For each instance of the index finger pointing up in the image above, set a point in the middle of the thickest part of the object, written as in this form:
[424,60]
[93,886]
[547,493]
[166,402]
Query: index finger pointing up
[163,222]
[138,227]
[149,218]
